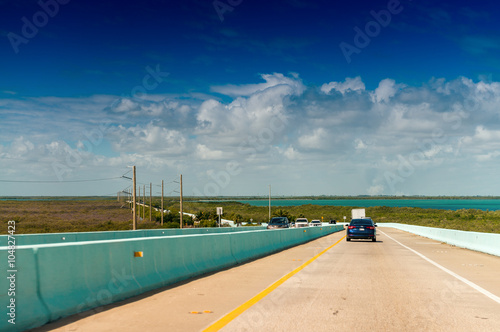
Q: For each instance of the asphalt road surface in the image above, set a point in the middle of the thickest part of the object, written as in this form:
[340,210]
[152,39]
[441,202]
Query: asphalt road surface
[402,282]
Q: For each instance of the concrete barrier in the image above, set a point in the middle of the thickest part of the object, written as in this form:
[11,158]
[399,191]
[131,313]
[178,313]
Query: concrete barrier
[248,245]
[29,310]
[61,279]
[32,239]
[484,242]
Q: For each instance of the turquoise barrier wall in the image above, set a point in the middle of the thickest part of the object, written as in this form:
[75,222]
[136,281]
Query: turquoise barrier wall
[27,302]
[31,239]
[484,242]
[57,280]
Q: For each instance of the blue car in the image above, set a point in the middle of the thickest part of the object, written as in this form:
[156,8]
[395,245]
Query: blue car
[361,229]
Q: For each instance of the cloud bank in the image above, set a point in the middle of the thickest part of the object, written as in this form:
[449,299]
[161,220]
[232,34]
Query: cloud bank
[440,138]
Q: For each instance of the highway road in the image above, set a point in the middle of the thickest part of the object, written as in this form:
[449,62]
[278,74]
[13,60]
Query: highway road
[402,282]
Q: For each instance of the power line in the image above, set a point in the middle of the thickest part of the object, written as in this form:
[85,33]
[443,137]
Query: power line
[56,181]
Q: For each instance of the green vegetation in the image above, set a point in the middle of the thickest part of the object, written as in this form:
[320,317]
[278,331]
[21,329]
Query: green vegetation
[75,215]
[466,220]
[326,197]
[105,214]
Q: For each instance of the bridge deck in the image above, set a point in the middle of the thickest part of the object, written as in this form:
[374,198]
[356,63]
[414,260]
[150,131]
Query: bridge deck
[357,285]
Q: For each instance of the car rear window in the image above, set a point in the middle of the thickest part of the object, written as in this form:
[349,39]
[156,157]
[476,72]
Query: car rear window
[278,221]
[357,222]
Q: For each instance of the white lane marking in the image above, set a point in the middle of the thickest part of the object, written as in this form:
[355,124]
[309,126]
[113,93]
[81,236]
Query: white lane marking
[462,279]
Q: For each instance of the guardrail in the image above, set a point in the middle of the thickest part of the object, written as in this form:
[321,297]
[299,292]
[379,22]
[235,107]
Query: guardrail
[60,279]
[484,242]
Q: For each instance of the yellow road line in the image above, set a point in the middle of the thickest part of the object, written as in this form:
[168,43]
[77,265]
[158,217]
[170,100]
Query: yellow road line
[242,308]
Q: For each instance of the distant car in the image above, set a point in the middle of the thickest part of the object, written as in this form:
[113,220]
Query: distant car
[315,222]
[278,222]
[333,221]
[301,222]
[361,229]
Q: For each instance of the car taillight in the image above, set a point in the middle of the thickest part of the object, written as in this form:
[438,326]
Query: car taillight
[370,227]
[351,227]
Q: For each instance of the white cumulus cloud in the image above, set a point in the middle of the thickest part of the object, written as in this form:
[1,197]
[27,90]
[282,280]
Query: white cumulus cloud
[386,89]
[292,83]
[350,84]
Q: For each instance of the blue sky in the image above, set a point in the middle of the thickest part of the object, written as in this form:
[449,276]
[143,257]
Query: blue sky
[312,98]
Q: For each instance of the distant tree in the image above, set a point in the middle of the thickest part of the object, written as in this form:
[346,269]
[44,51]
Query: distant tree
[199,215]
[207,218]
[283,213]
[238,219]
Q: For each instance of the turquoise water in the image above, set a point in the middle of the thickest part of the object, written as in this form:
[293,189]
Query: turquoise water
[443,204]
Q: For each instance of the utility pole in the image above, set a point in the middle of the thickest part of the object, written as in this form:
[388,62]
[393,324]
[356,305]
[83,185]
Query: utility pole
[162,202]
[134,206]
[139,214]
[269,202]
[181,202]
[150,200]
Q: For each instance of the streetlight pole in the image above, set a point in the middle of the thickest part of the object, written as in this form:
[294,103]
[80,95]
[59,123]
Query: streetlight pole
[181,204]
[162,202]
[269,202]
[134,204]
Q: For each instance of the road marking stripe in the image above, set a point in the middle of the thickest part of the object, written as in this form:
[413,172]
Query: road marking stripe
[462,279]
[242,308]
